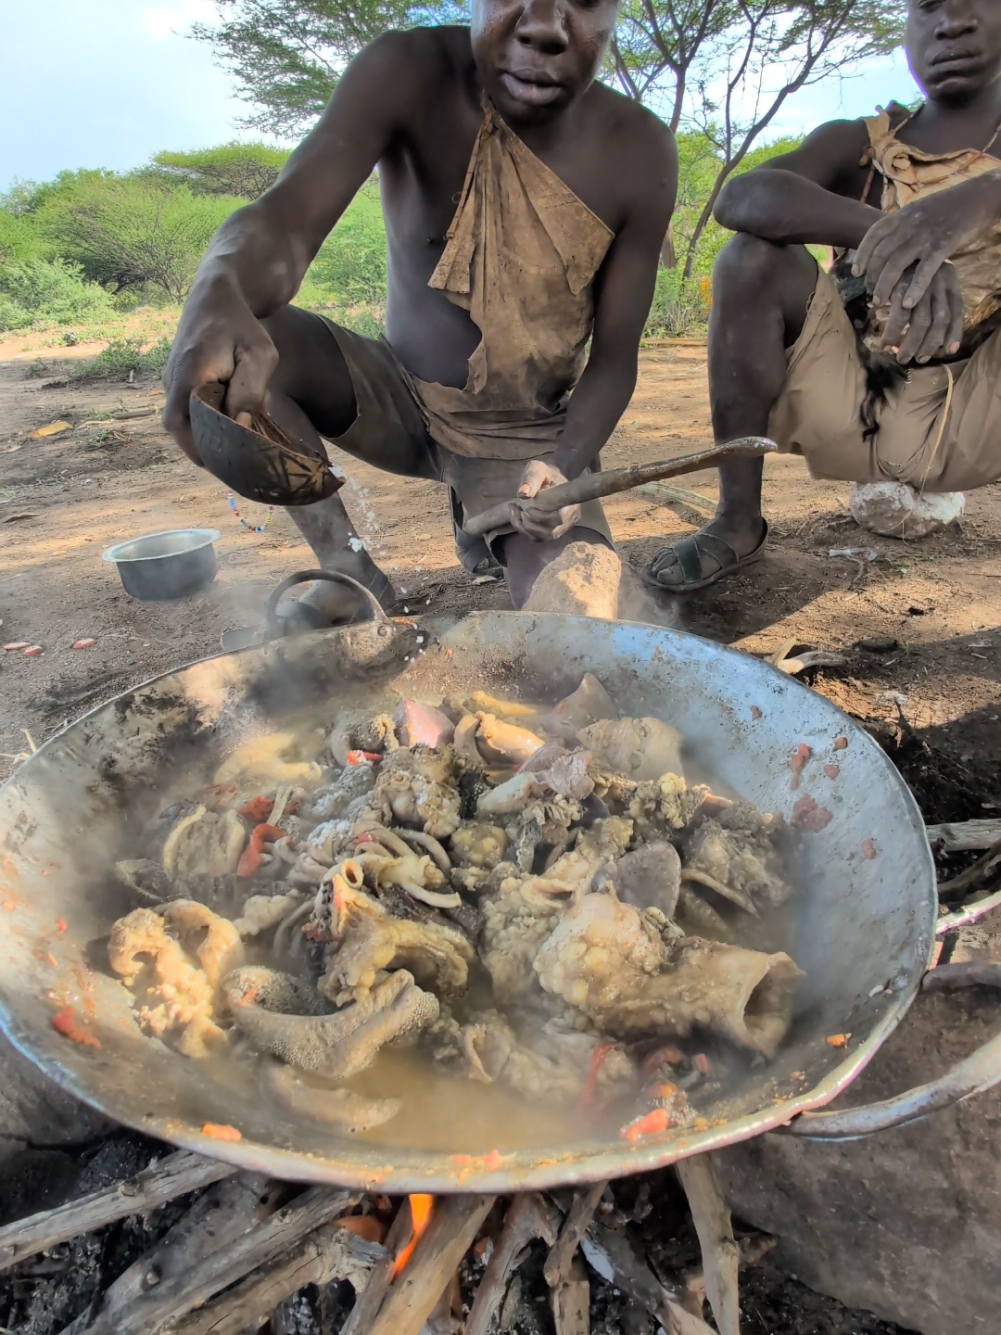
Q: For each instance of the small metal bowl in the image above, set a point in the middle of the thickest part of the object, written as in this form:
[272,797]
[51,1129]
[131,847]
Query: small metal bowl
[166,565]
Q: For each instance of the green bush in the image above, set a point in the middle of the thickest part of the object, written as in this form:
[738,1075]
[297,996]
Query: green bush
[48,291]
[680,307]
[350,268]
[125,356]
[133,231]
[246,170]
[19,239]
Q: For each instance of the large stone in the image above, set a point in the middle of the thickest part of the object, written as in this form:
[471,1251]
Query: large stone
[582,581]
[896,510]
[906,1223]
[591,580]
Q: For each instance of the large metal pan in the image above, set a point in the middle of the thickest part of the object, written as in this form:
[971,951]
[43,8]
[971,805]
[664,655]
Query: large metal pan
[864,925]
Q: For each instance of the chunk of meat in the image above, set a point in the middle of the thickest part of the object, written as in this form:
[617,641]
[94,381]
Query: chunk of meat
[422,725]
[513,930]
[220,949]
[649,877]
[278,758]
[342,798]
[349,1112]
[661,805]
[204,843]
[502,743]
[360,730]
[609,961]
[573,872]
[743,851]
[563,772]
[175,994]
[418,787]
[639,748]
[508,798]
[479,845]
[589,703]
[371,941]
[262,912]
[545,821]
[551,1062]
[336,1046]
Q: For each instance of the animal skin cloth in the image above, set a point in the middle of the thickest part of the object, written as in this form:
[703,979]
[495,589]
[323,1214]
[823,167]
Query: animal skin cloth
[940,427]
[521,256]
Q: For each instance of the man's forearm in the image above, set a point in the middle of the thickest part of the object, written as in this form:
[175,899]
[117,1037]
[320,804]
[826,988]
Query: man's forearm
[601,397]
[255,256]
[790,210]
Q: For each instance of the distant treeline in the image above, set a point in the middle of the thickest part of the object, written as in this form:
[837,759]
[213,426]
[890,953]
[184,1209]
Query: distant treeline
[90,245]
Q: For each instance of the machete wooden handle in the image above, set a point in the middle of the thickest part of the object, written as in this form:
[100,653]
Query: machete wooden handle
[592,486]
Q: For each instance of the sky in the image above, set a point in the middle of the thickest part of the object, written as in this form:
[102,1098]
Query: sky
[108,83]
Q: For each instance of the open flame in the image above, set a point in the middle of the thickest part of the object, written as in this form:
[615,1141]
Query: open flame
[420,1214]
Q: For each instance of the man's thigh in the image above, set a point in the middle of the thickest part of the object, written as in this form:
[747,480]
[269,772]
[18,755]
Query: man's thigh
[354,391]
[818,412]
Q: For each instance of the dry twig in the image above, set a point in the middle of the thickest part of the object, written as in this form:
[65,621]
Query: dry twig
[163,1181]
[720,1256]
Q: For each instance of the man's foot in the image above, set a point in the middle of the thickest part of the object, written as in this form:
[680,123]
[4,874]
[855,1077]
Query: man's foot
[726,544]
[325,604]
[474,555]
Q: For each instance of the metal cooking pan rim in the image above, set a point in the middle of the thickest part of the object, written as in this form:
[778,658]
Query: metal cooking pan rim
[522,1169]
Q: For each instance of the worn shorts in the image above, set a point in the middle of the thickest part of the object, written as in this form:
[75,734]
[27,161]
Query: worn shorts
[390,432]
[940,430]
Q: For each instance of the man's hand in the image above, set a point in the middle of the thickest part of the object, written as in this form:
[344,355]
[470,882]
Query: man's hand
[934,326]
[219,338]
[541,525]
[924,234]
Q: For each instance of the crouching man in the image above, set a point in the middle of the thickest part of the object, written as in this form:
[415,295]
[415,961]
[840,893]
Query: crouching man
[525,208]
[889,368]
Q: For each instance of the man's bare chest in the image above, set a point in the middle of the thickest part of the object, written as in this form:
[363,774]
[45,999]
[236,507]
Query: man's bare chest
[422,176]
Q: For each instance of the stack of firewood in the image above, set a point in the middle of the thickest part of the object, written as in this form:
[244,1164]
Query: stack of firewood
[246,1246]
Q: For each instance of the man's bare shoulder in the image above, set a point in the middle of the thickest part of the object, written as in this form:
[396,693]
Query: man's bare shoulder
[635,142]
[418,61]
[832,155]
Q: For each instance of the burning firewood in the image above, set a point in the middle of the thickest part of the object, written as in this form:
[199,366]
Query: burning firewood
[528,1218]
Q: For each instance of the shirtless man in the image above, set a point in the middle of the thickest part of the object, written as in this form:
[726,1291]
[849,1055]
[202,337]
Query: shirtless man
[784,356]
[525,209]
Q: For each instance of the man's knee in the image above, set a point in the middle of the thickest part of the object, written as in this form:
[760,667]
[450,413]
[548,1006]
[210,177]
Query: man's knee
[750,264]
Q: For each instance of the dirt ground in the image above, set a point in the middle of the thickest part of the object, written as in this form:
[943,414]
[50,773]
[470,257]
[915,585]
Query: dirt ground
[66,498]
[933,699]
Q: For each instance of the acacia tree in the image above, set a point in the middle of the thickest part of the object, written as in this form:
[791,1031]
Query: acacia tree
[727,67]
[287,54]
[723,67]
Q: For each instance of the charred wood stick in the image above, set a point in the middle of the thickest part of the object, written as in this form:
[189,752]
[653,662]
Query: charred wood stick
[176,1175]
[528,1217]
[981,870]
[963,836]
[720,1254]
[572,1302]
[367,1304]
[579,1216]
[752,1248]
[219,1215]
[328,1254]
[610,1253]
[164,1306]
[415,1293]
[592,486]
